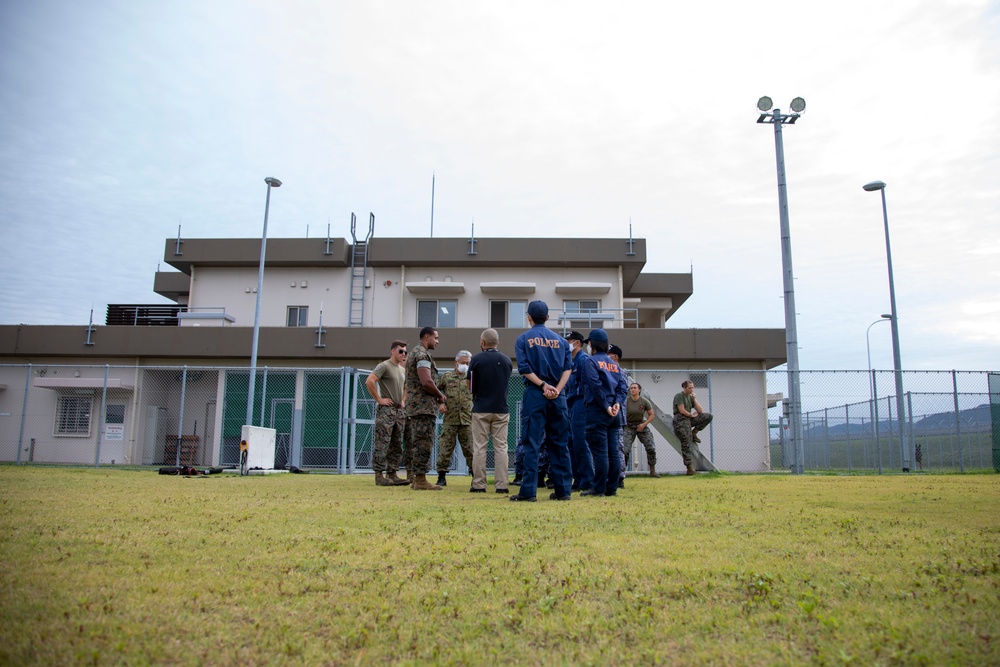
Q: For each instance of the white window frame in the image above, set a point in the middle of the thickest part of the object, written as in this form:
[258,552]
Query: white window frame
[299,312]
[71,411]
[523,323]
[437,313]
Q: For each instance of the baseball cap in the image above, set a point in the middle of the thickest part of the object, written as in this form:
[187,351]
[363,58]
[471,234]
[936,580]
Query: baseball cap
[614,349]
[538,309]
[598,335]
[575,335]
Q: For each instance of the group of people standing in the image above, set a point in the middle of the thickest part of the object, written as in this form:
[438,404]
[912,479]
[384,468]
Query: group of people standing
[580,412]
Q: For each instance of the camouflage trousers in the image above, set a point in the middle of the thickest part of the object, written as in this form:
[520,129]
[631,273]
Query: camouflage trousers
[446,445]
[685,428]
[622,459]
[629,434]
[389,424]
[419,438]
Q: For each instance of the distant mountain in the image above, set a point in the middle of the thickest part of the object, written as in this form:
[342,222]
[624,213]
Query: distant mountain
[977,419]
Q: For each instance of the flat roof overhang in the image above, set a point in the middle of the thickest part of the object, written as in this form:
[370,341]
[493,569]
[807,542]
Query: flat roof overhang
[363,344]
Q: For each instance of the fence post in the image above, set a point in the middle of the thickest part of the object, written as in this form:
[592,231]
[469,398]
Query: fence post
[100,418]
[711,440]
[180,418]
[847,422]
[909,427]
[875,425]
[349,407]
[24,413]
[958,421]
[263,399]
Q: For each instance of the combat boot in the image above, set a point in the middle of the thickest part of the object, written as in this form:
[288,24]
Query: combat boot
[393,480]
[420,483]
[441,479]
[652,470]
[691,470]
[380,479]
[517,480]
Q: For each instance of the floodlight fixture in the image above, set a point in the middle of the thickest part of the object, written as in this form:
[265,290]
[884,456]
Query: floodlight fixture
[764,104]
[798,105]
[273,182]
[873,186]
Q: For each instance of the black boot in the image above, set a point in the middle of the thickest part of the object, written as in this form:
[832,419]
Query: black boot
[441,480]
[517,480]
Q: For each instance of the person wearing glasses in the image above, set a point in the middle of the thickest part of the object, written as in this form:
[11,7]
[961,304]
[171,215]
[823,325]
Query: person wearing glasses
[386,384]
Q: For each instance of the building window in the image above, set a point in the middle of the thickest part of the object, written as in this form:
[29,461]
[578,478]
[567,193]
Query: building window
[298,316]
[73,415]
[504,313]
[437,313]
[582,306]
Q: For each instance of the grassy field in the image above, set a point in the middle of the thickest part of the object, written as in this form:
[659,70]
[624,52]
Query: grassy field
[104,566]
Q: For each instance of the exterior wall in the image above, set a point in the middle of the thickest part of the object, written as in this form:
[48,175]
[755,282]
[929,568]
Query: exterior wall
[387,301]
[736,440]
[214,405]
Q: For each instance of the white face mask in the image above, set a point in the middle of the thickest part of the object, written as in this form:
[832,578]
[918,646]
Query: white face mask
[463,368]
[589,350]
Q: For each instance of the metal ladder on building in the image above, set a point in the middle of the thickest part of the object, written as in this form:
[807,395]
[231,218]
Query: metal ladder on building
[359,271]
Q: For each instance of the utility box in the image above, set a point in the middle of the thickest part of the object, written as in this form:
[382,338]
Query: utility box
[260,446]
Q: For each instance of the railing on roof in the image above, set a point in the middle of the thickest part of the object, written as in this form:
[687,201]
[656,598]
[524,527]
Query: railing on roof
[603,318]
[162,315]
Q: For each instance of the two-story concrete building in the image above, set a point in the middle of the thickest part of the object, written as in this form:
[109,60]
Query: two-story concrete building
[177,375]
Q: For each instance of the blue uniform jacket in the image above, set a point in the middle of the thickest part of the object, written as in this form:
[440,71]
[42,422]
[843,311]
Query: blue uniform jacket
[545,353]
[603,382]
[574,388]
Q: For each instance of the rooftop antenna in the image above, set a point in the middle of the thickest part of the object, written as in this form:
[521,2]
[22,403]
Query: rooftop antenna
[432,204]
[630,240]
[177,249]
[307,230]
[328,234]
[472,239]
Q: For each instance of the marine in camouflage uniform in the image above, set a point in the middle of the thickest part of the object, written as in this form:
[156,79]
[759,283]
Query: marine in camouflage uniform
[423,402]
[386,386]
[689,418]
[458,418]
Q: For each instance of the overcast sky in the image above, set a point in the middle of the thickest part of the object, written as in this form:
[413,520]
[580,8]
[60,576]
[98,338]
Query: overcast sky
[120,120]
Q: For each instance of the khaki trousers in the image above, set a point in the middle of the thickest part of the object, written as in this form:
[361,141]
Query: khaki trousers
[485,424]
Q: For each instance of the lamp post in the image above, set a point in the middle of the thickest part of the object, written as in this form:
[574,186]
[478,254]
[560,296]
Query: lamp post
[271,183]
[897,365]
[871,390]
[777,119]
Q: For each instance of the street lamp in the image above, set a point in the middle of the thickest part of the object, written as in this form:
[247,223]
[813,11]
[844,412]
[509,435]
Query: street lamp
[271,183]
[897,365]
[871,390]
[776,118]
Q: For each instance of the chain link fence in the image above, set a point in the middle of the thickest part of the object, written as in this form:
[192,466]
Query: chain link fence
[324,418]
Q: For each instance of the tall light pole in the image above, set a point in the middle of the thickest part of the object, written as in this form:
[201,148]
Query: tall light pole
[778,119]
[904,444]
[871,389]
[271,183]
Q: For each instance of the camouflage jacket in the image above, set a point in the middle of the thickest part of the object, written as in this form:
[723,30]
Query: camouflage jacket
[419,402]
[456,389]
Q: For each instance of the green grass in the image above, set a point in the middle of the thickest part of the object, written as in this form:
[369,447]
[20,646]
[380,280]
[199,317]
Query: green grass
[101,566]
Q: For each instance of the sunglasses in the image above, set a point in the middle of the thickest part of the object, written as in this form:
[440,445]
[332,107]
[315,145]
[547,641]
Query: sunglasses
[401,351]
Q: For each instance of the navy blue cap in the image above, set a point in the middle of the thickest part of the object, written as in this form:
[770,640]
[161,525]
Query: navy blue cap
[538,310]
[598,335]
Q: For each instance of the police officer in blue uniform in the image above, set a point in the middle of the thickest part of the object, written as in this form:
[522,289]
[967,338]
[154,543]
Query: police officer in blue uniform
[543,360]
[604,392]
[583,460]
